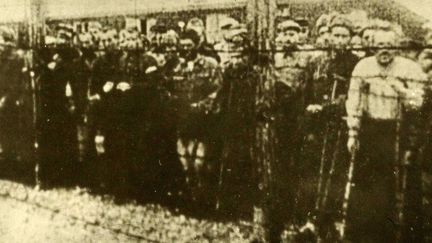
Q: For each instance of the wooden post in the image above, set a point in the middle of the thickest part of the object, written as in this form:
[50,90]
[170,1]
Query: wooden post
[36,32]
[260,21]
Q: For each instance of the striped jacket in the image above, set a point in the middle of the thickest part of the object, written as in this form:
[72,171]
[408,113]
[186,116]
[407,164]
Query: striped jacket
[379,92]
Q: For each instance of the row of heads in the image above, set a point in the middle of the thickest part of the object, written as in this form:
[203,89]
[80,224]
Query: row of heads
[356,24]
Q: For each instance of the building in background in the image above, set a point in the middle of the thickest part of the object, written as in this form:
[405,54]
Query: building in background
[119,13]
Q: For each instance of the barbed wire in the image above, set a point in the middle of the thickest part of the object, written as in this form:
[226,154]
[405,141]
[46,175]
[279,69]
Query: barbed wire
[256,50]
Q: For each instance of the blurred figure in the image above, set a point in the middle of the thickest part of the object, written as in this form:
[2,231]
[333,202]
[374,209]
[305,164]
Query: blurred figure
[196,82]
[304,35]
[327,133]
[237,188]
[224,46]
[322,31]
[12,89]
[412,48]
[356,42]
[366,35]
[204,48]
[105,76]
[158,170]
[95,30]
[359,19]
[293,78]
[58,139]
[373,122]
[80,83]
[157,31]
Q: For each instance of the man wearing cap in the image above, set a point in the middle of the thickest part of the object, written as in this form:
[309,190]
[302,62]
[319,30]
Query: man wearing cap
[105,77]
[229,28]
[58,140]
[12,90]
[237,98]
[326,131]
[83,65]
[204,47]
[304,32]
[366,35]
[195,83]
[425,61]
[385,94]
[322,31]
[293,77]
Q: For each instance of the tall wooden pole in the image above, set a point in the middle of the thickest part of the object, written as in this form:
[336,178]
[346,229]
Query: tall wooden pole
[261,25]
[37,22]
[36,32]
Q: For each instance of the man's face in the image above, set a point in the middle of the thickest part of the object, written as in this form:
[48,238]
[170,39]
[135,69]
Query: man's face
[304,34]
[382,40]
[63,39]
[237,41]
[132,40]
[288,38]
[367,37]
[187,44]
[425,60]
[108,41]
[356,42]
[340,37]
[187,49]
[85,41]
[170,50]
[95,32]
[323,36]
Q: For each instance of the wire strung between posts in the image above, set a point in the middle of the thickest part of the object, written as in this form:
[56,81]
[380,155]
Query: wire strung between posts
[306,49]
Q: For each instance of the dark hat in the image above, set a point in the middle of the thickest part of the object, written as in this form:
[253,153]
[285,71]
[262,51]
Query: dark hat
[65,29]
[236,30]
[8,34]
[190,34]
[161,26]
[302,22]
[289,25]
[341,21]
[410,43]
[227,23]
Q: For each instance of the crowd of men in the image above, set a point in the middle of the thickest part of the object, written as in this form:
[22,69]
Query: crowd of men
[171,114]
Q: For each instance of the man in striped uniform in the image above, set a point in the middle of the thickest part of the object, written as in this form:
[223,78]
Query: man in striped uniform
[383,88]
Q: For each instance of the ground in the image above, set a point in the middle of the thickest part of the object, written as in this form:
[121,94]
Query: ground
[74,215]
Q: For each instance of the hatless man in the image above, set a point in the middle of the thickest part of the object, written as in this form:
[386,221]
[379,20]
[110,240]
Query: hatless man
[383,88]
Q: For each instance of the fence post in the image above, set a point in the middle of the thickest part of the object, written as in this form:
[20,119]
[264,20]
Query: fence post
[36,28]
[261,24]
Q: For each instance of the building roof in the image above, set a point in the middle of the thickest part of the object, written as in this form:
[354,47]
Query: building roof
[422,8]
[18,10]
[60,9]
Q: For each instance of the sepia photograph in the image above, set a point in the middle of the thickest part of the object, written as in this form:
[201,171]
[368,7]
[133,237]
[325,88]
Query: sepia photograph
[216,121]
